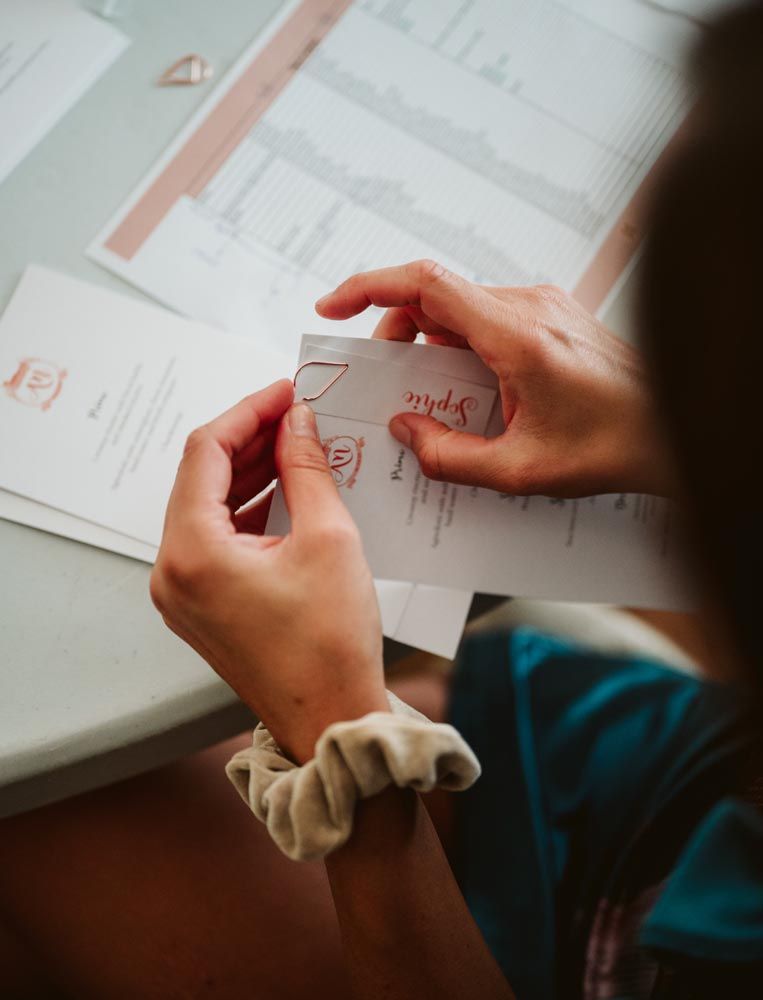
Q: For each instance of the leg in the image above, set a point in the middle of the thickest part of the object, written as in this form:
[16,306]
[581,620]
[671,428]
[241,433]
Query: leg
[165,886]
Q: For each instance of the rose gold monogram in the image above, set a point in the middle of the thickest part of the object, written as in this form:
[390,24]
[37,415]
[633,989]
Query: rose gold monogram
[35,383]
[345,456]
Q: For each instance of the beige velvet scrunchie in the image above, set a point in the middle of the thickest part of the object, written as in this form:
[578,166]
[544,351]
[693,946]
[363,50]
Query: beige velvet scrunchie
[309,810]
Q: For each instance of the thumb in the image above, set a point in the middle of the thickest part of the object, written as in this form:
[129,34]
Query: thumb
[310,492]
[449,455]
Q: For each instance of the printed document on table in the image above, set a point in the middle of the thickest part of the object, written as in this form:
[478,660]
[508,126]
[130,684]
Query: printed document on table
[513,140]
[620,549]
[100,392]
[51,51]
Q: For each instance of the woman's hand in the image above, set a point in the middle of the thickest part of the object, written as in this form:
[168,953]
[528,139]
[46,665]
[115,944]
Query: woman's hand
[292,623]
[577,411]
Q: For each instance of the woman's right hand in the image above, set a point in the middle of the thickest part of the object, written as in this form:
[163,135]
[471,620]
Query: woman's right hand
[576,406]
[292,622]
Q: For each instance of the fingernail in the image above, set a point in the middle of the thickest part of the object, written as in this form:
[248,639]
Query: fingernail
[302,421]
[399,430]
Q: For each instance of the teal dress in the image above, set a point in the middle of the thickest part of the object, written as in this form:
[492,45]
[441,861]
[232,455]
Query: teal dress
[612,849]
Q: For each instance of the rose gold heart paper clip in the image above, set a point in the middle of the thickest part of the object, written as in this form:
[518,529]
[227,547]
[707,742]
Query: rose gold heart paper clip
[343,365]
[186,72]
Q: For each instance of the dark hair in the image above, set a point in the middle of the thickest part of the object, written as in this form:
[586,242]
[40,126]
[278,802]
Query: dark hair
[701,321]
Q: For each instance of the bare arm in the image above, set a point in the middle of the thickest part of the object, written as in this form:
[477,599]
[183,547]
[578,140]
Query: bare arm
[262,611]
[407,932]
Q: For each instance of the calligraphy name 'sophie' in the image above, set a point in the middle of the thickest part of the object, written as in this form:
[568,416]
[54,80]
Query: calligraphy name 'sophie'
[422,402]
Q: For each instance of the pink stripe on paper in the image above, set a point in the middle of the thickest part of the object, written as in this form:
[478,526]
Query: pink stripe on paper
[624,239]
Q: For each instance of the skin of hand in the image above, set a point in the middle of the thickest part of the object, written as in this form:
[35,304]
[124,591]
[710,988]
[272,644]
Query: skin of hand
[292,623]
[576,407]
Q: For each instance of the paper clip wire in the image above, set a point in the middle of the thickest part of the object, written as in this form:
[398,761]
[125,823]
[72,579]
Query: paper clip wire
[186,72]
[344,365]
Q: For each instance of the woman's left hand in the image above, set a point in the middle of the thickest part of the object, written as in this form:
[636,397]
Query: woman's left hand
[292,624]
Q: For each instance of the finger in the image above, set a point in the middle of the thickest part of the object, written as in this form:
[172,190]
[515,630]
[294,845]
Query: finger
[404,323]
[253,468]
[450,341]
[451,301]
[396,324]
[435,333]
[310,492]
[253,520]
[258,448]
[449,455]
[253,482]
[204,477]
[505,292]
[238,426]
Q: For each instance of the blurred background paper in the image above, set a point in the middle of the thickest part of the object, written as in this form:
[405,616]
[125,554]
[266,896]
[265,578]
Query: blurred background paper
[51,51]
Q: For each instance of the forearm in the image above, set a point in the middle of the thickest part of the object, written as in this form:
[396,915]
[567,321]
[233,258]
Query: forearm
[406,929]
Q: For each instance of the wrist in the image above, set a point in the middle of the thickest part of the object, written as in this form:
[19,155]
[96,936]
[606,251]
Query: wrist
[310,807]
[633,456]
[651,469]
[299,734]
